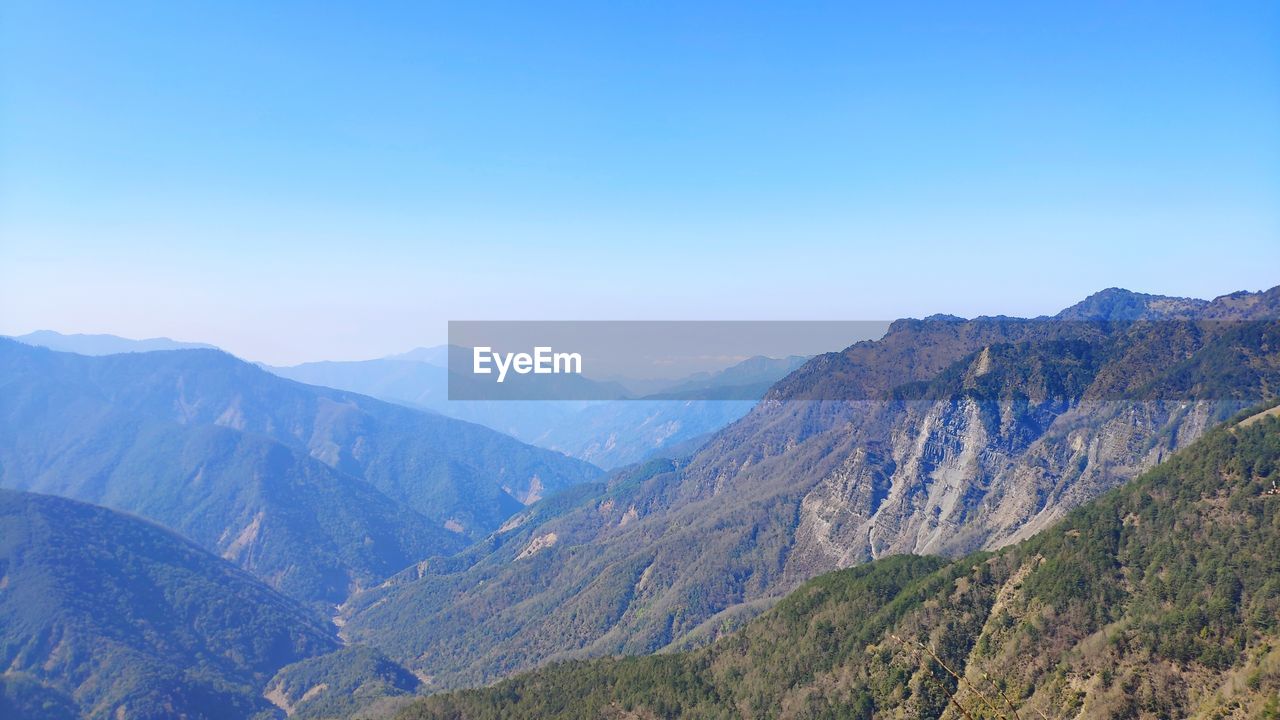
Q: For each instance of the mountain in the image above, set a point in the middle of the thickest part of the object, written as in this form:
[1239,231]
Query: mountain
[127,620]
[609,434]
[437,355]
[1159,599]
[945,436]
[747,380]
[409,382]
[103,344]
[1120,305]
[315,491]
[614,434]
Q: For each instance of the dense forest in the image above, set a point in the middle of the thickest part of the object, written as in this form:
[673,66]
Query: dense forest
[105,615]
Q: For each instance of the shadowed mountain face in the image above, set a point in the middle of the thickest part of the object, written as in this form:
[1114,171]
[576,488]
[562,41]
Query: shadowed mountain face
[120,618]
[945,436]
[1160,599]
[314,490]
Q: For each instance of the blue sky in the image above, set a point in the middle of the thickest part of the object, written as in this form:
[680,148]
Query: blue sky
[298,181]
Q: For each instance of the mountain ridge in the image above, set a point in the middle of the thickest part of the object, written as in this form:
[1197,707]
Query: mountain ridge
[999,440]
[103,344]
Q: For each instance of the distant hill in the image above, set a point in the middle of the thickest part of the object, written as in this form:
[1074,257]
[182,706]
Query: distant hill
[945,436]
[417,384]
[746,380]
[127,620]
[1159,599]
[614,434]
[437,355]
[606,433]
[103,344]
[316,491]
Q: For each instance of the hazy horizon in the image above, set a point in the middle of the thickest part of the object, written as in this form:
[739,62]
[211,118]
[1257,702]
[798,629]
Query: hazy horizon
[358,356]
[339,183]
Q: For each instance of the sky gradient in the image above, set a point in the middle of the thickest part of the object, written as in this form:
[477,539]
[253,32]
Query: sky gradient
[295,182]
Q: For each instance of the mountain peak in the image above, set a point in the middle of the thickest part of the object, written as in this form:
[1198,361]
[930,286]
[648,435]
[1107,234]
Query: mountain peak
[1119,304]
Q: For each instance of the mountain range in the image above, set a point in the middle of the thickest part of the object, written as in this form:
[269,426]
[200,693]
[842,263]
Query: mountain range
[943,522]
[945,436]
[315,491]
[609,434]
[83,344]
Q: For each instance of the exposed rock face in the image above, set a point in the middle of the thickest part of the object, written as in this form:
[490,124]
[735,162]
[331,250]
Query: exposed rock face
[944,436]
[945,483]
[540,543]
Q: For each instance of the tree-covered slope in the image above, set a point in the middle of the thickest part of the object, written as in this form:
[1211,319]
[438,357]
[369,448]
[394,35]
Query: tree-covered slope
[1159,599]
[355,681]
[23,696]
[130,621]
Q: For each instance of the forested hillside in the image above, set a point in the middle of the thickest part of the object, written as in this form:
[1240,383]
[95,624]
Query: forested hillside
[120,618]
[1159,599]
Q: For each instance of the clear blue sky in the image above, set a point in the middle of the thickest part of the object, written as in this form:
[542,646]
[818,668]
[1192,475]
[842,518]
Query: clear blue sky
[298,181]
